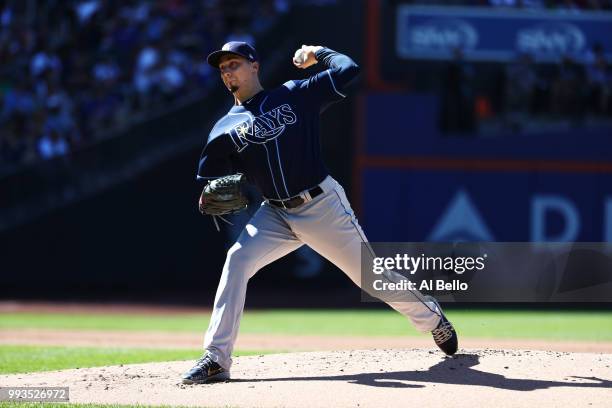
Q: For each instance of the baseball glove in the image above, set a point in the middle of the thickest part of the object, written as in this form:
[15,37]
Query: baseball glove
[223,195]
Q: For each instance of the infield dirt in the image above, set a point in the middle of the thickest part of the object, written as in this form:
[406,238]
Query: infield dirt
[354,378]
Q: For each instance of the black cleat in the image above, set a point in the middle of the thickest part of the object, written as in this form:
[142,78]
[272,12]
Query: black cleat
[444,334]
[205,371]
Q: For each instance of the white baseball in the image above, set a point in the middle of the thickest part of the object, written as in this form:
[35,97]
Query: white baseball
[300,56]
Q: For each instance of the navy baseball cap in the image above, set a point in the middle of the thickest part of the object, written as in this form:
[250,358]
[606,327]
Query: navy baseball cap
[239,48]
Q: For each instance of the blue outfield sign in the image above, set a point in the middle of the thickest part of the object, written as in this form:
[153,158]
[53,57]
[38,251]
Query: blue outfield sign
[485,34]
[445,206]
[554,186]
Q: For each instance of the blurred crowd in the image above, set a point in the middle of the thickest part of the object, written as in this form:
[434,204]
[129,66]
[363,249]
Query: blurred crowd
[72,70]
[562,5]
[575,89]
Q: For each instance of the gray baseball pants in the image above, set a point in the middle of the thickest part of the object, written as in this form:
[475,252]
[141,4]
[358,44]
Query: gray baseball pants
[328,225]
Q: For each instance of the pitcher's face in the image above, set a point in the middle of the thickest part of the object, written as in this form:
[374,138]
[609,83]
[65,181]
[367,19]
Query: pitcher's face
[237,72]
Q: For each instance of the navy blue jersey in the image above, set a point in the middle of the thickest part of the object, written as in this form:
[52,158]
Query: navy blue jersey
[273,137]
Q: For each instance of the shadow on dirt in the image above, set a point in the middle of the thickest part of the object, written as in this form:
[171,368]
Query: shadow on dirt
[458,370]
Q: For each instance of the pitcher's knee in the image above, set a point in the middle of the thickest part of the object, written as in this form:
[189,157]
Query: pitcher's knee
[238,265]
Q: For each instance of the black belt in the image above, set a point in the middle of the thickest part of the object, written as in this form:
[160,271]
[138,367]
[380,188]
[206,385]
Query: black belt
[297,200]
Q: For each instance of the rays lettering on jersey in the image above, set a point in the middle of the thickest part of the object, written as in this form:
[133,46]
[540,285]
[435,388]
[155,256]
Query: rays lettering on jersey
[263,128]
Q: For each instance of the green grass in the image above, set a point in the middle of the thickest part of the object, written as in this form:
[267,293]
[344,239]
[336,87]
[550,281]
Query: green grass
[21,359]
[546,325]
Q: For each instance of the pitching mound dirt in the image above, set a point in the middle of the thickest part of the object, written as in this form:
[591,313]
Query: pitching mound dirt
[358,378]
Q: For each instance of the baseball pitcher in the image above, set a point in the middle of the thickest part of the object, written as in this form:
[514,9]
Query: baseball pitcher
[270,137]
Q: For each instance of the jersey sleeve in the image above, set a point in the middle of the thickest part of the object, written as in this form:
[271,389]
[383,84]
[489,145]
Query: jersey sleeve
[330,85]
[215,161]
